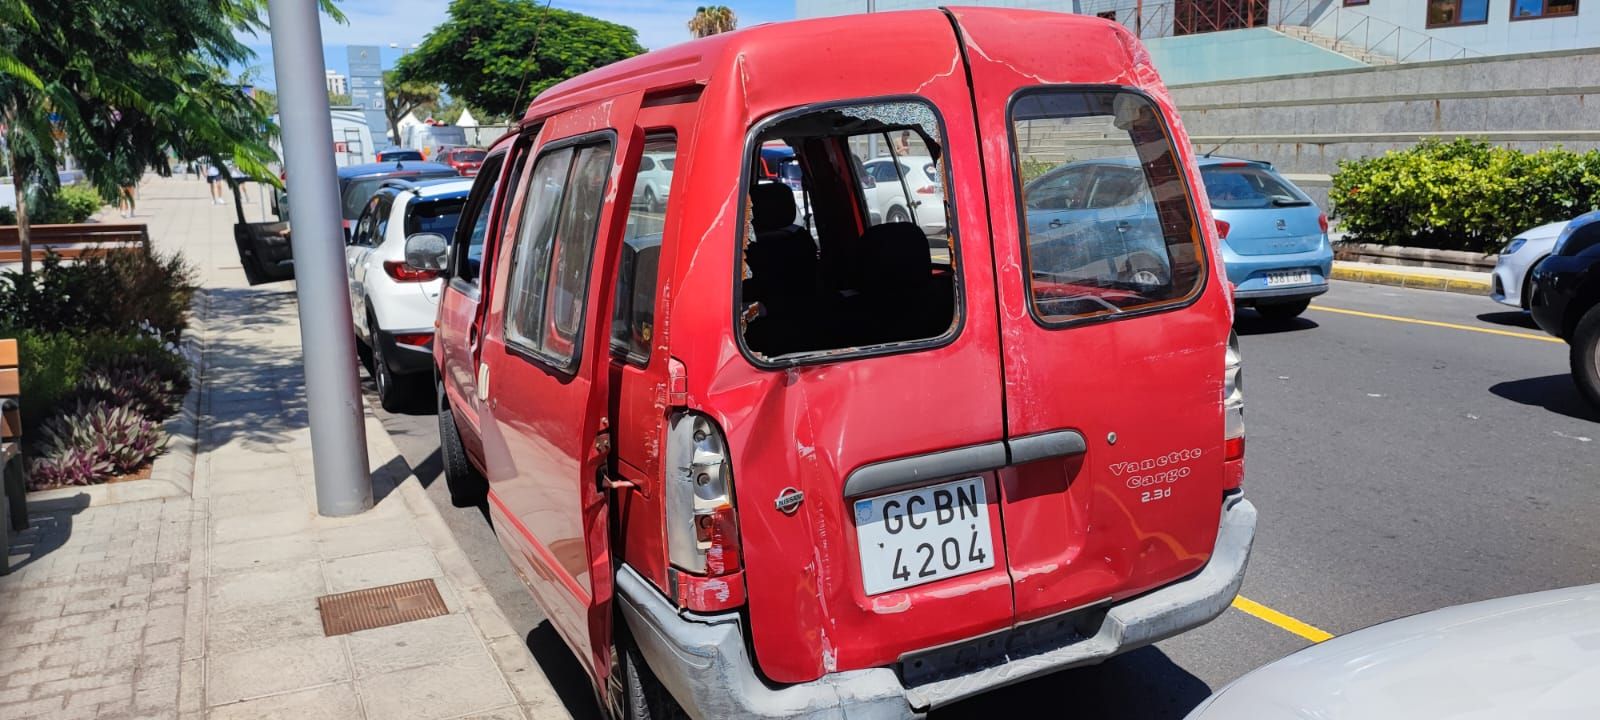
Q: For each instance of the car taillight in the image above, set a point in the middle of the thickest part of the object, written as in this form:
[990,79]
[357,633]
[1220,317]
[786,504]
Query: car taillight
[702,524]
[1233,415]
[401,272]
[928,190]
[1322,222]
[1222,229]
[421,340]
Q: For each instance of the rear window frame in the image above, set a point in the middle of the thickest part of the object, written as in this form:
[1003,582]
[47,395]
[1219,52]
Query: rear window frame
[1206,258]
[752,152]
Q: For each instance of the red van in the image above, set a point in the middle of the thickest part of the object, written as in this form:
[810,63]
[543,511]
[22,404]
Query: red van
[763,454]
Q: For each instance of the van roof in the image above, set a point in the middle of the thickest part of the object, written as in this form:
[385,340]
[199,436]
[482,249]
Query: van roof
[696,62]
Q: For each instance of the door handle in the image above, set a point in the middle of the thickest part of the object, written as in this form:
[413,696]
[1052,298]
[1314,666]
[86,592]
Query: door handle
[1046,445]
[1055,223]
[1123,226]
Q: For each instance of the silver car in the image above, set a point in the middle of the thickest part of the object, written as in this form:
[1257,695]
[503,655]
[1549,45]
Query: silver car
[1526,656]
[1510,281]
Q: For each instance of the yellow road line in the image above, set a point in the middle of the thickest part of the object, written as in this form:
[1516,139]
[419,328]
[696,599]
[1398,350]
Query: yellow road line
[1433,323]
[1305,630]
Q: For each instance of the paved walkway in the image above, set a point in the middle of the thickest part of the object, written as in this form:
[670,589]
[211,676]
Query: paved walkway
[205,605]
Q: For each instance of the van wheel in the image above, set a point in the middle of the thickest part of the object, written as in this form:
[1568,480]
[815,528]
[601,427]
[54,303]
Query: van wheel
[467,487]
[1283,312]
[644,697]
[898,214]
[1586,356]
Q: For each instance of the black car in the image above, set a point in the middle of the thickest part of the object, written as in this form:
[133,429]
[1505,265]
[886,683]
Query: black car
[1566,299]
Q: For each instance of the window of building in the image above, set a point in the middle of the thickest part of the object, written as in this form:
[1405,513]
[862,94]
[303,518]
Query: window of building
[1534,9]
[1355,3]
[547,293]
[849,236]
[633,317]
[1447,13]
[1107,221]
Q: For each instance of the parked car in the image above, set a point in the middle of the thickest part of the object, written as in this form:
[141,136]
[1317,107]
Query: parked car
[398,155]
[1511,282]
[430,140]
[918,176]
[706,437]
[1274,238]
[654,182]
[393,304]
[1526,656]
[1095,219]
[357,183]
[1566,299]
[466,160]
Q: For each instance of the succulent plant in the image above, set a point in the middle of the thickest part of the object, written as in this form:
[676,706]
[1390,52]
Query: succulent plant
[140,387]
[92,442]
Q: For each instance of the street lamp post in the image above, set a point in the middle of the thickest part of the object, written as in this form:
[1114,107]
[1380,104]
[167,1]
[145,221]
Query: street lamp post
[333,399]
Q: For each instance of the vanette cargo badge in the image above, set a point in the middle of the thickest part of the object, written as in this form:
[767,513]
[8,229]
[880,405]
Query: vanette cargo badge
[789,500]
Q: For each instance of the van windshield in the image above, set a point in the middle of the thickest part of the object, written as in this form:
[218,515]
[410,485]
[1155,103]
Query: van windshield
[1107,223]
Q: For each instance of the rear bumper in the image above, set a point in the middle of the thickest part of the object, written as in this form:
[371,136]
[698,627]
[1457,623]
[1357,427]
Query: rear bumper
[406,359]
[702,659]
[1248,273]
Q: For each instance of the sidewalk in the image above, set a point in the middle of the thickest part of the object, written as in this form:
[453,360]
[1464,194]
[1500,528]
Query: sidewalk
[1459,281]
[205,605]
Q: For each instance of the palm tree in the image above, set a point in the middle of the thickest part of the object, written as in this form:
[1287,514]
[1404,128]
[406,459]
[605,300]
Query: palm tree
[712,19]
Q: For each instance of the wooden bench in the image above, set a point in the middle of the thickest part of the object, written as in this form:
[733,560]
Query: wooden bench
[73,242]
[14,497]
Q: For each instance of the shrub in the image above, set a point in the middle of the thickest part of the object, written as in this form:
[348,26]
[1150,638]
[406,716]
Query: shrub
[69,204]
[7,216]
[56,364]
[1461,195]
[93,442]
[119,292]
[140,388]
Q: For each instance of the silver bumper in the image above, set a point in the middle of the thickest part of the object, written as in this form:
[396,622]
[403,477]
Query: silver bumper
[701,659]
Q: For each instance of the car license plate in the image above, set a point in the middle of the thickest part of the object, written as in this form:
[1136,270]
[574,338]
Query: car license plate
[922,535]
[1292,277]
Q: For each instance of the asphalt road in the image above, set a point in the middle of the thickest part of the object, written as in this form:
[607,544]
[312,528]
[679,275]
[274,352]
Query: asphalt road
[1398,467]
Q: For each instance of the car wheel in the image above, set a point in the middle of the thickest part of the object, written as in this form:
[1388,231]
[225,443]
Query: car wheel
[1586,355]
[1527,286]
[1283,312]
[390,396]
[467,487]
[651,204]
[898,214]
[644,697]
[1144,270]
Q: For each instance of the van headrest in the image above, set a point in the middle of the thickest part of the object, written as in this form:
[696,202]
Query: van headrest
[897,252]
[771,206]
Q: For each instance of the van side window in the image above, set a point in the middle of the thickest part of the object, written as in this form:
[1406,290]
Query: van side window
[633,319]
[876,274]
[550,265]
[467,248]
[1107,217]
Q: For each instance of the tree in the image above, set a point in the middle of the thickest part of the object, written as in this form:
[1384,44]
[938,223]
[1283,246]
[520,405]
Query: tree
[268,100]
[498,54]
[400,97]
[337,99]
[712,19]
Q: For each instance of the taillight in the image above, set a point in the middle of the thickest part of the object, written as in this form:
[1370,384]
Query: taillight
[702,524]
[1322,222]
[1233,414]
[928,190]
[401,272]
[1222,229]
[421,340]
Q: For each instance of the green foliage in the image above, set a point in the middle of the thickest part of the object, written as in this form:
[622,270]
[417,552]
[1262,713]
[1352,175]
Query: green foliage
[7,216]
[56,366]
[1461,195]
[498,54]
[712,19]
[120,292]
[68,204]
[401,96]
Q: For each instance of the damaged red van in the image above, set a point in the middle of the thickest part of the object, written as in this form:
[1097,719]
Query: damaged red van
[765,452]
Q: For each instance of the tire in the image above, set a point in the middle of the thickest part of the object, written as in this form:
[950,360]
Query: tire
[1144,269]
[467,486]
[1283,312]
[1527,285]
[1586,356]
[391,393]
[644,697]
[898,214]
[650,202]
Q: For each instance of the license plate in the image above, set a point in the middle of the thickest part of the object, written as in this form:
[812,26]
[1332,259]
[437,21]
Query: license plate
[1292,277]
[922,535]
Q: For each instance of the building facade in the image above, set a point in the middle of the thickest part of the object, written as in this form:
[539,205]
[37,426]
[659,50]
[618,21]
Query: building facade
[337,84]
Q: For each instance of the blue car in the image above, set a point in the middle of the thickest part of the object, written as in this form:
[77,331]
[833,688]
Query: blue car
[1274,239]
[1095,222]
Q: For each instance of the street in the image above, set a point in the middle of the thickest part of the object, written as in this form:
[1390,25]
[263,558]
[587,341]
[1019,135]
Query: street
[1407,449]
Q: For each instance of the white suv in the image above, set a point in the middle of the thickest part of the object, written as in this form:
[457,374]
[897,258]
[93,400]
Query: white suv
[394,305]
[889,197]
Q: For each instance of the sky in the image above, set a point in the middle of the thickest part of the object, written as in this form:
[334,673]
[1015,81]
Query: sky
[660,23]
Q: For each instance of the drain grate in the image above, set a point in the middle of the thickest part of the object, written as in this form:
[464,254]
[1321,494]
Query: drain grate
[380,607]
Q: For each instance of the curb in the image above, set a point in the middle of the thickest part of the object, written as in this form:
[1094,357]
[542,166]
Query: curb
[172,472]
[1417,281]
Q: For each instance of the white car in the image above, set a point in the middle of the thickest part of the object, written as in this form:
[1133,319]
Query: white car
[1515,267]
[654,181]
[888,198]
[394,305]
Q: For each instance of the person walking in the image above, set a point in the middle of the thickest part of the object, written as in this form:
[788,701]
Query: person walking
[125,200]
[214,176]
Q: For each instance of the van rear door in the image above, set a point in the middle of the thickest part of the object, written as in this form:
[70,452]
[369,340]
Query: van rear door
[1114,337]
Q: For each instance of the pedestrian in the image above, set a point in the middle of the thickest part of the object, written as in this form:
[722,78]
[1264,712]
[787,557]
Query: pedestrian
[214,176]
[125,200]
[902,145]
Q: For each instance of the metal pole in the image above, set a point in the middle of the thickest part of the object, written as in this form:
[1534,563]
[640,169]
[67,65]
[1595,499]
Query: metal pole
[333,399]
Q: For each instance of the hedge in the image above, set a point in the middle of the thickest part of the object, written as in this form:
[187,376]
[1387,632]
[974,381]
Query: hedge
[1461,195]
